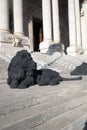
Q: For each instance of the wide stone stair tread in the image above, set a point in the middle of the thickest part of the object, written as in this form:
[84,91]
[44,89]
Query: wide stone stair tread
[57,61]
[12,99]
[74,119]
[9,54]
[36,115]
[37,107]
[68,62]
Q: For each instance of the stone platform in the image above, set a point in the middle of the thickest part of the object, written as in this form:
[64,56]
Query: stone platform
[59,107]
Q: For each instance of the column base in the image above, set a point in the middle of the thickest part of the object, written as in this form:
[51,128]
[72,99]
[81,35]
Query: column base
[2,35]
[8,50]
[79,51]
[19,33]
[85,51]
[72,50]
[44,46]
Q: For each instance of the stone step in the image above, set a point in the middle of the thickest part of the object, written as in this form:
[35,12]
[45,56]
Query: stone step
[32,117]
[55,61]
[13,50]
[65,61]
[14,100]
[74,119]
[4,57]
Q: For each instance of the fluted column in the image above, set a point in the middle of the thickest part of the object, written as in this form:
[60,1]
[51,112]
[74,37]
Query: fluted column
[72,26]
[18,16]
[56,28]
[72,22]
[47,27]
[4,16]
[84,44]
[78,25]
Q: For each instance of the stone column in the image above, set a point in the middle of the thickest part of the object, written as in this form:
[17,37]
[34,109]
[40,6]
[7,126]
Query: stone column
[56,28]
[84,26]
[46,10]
[47,27]
[72,27]
[4,18]
[18,17]
[78,25]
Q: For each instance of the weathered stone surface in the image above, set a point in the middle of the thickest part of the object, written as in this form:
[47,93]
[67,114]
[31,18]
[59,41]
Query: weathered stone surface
[36,106]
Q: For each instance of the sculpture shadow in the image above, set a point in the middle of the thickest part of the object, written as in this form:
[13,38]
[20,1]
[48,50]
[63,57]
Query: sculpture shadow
[85,127]
[58,47]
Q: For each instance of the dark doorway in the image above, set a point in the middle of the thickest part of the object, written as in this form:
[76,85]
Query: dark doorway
[37,33]
[11,20]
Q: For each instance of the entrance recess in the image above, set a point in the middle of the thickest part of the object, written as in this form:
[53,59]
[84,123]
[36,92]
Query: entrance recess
[37,33]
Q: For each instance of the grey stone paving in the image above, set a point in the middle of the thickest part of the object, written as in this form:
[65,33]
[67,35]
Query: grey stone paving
[47,107]
[71,120]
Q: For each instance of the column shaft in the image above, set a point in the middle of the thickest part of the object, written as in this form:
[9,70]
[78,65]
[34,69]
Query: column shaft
[18,16]
[78,24]
[47,29]
[84,29]
[72,22]
[56,28]
[4,15]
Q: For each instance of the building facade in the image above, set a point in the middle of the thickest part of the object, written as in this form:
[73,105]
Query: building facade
[46,23]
